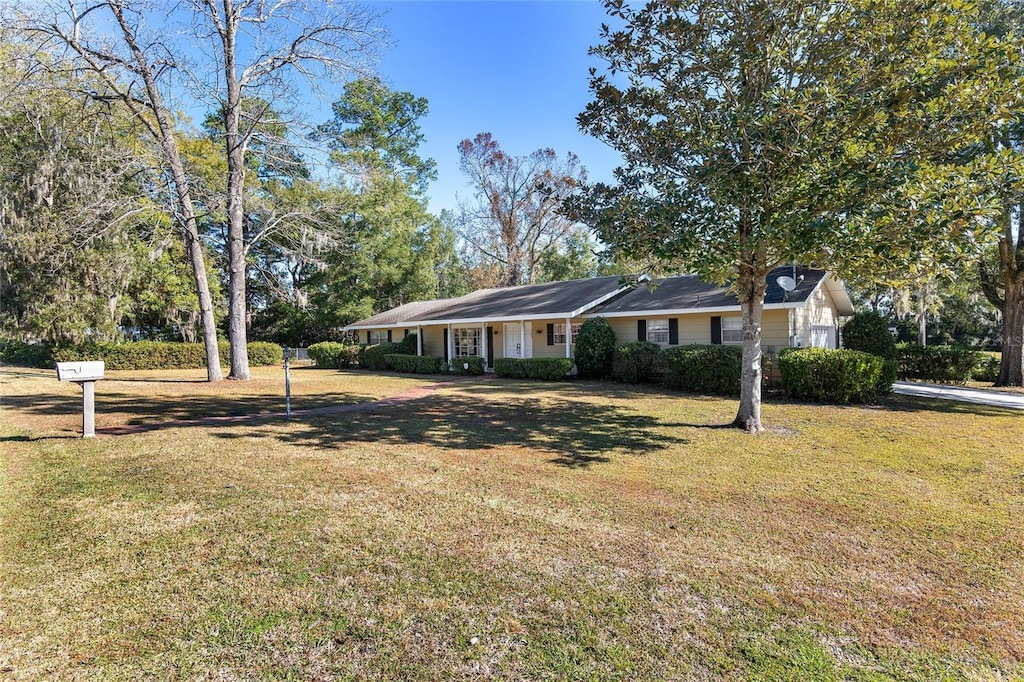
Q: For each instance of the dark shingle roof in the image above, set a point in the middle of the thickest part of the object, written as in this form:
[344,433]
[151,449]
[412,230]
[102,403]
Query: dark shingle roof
[552,299]
[688,292]
[559,299]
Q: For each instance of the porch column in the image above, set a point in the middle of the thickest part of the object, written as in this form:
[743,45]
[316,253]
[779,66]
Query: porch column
[451,344]
[522,339]
[483,342]
[419,340]
[568,337]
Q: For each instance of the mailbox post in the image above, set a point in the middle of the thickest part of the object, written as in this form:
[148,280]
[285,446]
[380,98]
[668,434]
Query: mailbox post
[86,374]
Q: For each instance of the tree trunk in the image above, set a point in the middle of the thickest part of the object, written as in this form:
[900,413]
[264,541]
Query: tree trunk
[194,245]
[163,132]
[235,142]
[1011,369]
[751,287]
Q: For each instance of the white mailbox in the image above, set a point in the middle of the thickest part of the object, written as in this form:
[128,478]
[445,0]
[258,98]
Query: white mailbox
[85,374]
[80,371]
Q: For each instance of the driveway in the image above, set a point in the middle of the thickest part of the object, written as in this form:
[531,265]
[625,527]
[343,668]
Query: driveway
[1014,401]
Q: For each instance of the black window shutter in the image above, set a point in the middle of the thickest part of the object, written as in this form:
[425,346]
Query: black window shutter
[551,334]
[641,330]
[673,331]
[490,347]
[446,344]
[716,329]
[389,336]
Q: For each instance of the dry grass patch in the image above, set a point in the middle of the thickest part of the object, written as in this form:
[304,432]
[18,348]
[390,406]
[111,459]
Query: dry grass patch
[513,530]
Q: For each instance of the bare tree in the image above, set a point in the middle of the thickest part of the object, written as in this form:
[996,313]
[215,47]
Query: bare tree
[515,217]
[246,50]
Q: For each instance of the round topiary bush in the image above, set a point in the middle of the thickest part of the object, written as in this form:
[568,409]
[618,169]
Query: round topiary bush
[869,332]
[595,347]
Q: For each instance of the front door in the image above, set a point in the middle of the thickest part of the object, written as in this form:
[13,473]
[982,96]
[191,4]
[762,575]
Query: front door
[513,341]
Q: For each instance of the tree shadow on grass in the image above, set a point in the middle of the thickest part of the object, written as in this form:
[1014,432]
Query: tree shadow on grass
[156,410]
[576,434]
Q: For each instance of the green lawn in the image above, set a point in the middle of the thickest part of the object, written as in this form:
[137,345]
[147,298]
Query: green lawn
[504,530]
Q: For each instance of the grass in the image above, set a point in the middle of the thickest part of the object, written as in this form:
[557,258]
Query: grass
[505,530]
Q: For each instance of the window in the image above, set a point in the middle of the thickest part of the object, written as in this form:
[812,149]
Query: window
[732,330]
[375,337]
[467,342]
[657,331]
[559,334]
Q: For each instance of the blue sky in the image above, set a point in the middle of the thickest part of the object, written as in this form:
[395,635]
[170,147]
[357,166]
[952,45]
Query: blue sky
[515,68]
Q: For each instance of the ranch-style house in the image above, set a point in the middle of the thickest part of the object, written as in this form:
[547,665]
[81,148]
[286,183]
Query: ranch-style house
[541,320]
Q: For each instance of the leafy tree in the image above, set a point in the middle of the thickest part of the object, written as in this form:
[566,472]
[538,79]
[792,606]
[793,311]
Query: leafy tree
[1002,270]
[256,51]
[514,218]
[75,225]
[756,134]
[574,258]
[396,250]
[376,130]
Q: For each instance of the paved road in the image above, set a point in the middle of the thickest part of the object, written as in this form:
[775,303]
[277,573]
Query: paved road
[1014,401]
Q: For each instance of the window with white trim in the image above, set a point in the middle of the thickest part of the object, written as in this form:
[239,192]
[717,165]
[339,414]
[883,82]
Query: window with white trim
[558,334]
[467,341]
[732,330]
[657,331]
[375,337]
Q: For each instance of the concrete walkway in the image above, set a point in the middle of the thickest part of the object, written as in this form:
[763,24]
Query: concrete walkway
[1013,401]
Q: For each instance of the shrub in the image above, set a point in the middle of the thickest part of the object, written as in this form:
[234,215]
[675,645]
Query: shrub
[711,369]
[334,355]
[544,369]
[636,363]
[14,352]
[941,364]
[869,332]
[824,375]
[161,354]
[374,357]
[263,353]
[469,365]
[412,364]
[407,346]
[987,368]
[595,347]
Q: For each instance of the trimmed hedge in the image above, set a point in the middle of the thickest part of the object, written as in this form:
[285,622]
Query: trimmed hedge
[413,364]
[475,365]
[710,369]
[162,354]
[637,362]
[595,347]
[939,364]
[825,375]
[544,369]
[14,352]
[375,357]
[334,355]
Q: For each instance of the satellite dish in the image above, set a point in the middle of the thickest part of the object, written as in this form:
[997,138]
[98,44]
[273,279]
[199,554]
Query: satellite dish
[786,283]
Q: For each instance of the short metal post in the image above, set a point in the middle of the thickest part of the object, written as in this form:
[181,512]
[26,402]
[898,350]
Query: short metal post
[88,409]
[287,383]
